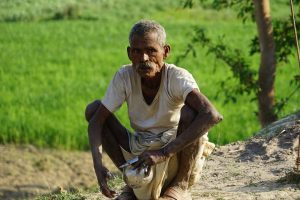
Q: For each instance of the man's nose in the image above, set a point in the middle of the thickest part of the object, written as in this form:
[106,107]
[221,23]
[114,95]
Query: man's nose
[144,57]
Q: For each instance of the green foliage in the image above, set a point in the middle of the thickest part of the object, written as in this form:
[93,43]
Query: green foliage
[51,67]
[247,84]
[231,57]
[244,9]
[284,39]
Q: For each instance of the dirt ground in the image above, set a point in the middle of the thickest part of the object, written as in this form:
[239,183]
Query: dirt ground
[255,169]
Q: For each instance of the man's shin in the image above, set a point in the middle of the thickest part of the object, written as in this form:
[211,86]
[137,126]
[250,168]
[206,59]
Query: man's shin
[186,159]
[112,148]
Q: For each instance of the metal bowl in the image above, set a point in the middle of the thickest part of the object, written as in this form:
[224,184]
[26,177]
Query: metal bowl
[136,178]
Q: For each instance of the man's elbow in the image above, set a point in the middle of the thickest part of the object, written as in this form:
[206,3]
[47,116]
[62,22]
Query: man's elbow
[215,116]
[91,109]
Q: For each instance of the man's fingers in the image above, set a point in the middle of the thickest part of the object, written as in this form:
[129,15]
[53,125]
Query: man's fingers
[113,192]
[145,159]
[106,191]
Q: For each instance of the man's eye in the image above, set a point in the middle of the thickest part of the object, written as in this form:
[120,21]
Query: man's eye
[136,51]
[152,51]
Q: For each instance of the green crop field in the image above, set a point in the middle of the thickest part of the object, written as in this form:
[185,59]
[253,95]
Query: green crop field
[57,57]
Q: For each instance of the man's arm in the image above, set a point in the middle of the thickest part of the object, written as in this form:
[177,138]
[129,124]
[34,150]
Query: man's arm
[95,128]
[207,117]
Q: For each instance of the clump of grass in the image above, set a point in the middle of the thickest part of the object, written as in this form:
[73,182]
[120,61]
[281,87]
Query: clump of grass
[116,182]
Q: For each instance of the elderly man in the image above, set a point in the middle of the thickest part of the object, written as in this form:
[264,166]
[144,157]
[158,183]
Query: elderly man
[167,112]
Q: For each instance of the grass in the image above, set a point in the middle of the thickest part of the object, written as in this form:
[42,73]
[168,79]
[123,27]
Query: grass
[56,57]
[75,193]
[62,196]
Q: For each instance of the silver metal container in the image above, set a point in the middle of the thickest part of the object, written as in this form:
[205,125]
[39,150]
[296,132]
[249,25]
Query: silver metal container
[136,178]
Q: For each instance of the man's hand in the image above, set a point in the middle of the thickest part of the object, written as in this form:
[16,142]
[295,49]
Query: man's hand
[151,157]
[103,175]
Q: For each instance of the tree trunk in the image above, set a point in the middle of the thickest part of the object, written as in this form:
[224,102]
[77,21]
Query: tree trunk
[267,69]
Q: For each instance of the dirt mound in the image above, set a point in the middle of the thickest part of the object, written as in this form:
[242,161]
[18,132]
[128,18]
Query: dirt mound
[254,169]
[274,148]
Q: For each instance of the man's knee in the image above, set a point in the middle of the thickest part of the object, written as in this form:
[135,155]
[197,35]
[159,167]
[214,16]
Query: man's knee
[91,109]
[187,115]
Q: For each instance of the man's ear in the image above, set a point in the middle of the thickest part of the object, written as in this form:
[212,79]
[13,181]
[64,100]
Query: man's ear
[167,50]
[128,52]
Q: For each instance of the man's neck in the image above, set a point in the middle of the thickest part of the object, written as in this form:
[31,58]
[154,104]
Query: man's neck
[152,82]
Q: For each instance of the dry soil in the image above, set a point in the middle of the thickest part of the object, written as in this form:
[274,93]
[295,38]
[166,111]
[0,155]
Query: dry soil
[260,168]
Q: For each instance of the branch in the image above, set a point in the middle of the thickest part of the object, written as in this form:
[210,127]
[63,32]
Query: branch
[232,58]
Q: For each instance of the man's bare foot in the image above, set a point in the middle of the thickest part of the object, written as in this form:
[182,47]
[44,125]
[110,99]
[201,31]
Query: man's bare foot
[176,193]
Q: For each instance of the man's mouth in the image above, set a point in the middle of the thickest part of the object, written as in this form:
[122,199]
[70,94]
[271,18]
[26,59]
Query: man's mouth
[145,66]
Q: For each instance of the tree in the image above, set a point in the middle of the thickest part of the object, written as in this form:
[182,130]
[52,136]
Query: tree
[264,43]
[267,69]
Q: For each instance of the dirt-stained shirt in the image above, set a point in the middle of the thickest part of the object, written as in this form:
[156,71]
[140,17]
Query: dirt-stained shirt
[164,111]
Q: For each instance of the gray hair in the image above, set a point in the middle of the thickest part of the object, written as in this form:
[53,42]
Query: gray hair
[144,27]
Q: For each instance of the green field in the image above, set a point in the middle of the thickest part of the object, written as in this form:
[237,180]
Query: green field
[57,57]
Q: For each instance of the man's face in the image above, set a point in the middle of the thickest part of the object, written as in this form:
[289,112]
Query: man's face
[147,55]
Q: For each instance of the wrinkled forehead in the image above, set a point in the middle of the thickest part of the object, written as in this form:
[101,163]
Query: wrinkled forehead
[145,38]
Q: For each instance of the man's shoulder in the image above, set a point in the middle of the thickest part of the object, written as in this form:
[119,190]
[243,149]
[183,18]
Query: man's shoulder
[126,70]
[174,70]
